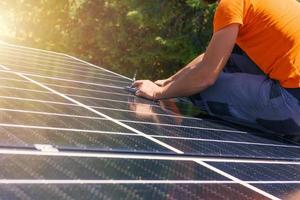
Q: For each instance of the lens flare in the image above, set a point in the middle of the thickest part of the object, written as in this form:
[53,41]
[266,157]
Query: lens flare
[6,26]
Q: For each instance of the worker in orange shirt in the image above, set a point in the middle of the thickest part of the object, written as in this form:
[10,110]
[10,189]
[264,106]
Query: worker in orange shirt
[250,72]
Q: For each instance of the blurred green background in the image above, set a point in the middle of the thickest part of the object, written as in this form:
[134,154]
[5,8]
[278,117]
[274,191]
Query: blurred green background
[155,37]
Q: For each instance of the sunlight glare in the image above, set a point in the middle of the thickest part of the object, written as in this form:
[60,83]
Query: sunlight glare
[6,26]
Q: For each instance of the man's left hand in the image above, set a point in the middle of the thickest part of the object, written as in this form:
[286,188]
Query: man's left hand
[147,89]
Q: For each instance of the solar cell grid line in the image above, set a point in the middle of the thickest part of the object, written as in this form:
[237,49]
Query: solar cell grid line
[72,95]
[97,67]
[120,181]
[121,133]
[43,106]
[40,91]
[155,136]
[8,59]
[117,86]
[214,140]
[44,70]
[74,105]
[66,70]
[216,133]
[146,191]
[112,93]
[264,175]
[33,56]
[152,139]
[19,86]
[32,50]
[54,56]
[24,137]
[132,155]
[124,181]
[47,68]
[136,122]
[83,74]
[61,54]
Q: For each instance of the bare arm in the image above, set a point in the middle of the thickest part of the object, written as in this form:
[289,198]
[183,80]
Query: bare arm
[199,75]
[181,71]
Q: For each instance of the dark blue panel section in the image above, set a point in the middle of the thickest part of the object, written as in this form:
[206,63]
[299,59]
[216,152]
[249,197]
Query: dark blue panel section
[19,104]
[131,192]
[206,130]
[285,191]
[147,115]
[100,87]
[41,60]
[267,172]
[75,168]
[27,137]
[7,92]
[209,148]
[30,119]
[94,95]
[261,172]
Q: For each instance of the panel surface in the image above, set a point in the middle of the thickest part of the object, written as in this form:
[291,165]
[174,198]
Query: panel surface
[76,168]
[114,120]
[285,191]
[261,172]
[281,180]
[130,191]
[233,150]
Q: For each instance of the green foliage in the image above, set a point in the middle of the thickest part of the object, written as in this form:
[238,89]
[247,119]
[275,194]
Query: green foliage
[157,37]
[39,23]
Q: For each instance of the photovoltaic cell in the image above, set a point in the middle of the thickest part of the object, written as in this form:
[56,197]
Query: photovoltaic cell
[80,140]
[101,169]
[233,150]
[130,191]
[283,180]
[261,172]
[282,190]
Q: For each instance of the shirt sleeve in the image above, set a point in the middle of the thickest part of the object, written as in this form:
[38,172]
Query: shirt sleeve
[228,12]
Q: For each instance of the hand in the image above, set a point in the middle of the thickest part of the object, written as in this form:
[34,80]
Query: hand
[147,89]
[162,82]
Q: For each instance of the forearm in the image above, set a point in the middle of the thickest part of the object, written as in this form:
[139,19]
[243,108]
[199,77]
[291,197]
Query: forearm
[193,81]
[199,74]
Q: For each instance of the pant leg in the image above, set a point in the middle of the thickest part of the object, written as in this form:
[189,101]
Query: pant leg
[252,100]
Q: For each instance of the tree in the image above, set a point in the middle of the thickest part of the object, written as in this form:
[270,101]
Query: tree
[156,37]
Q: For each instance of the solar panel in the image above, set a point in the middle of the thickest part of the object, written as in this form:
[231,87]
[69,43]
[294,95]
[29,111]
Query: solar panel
[69,130]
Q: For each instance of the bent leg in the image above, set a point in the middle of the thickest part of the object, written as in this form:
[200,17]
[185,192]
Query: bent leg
[251,100]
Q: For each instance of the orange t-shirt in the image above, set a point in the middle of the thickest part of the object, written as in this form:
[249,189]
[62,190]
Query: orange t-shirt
[269,34]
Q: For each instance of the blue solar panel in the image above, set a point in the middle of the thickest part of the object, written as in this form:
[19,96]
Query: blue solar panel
[69,130]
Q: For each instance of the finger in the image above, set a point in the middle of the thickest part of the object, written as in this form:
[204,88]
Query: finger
[137,83]
[138,93]
[141,93]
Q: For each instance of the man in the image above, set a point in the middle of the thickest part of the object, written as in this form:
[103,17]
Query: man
[264,95]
